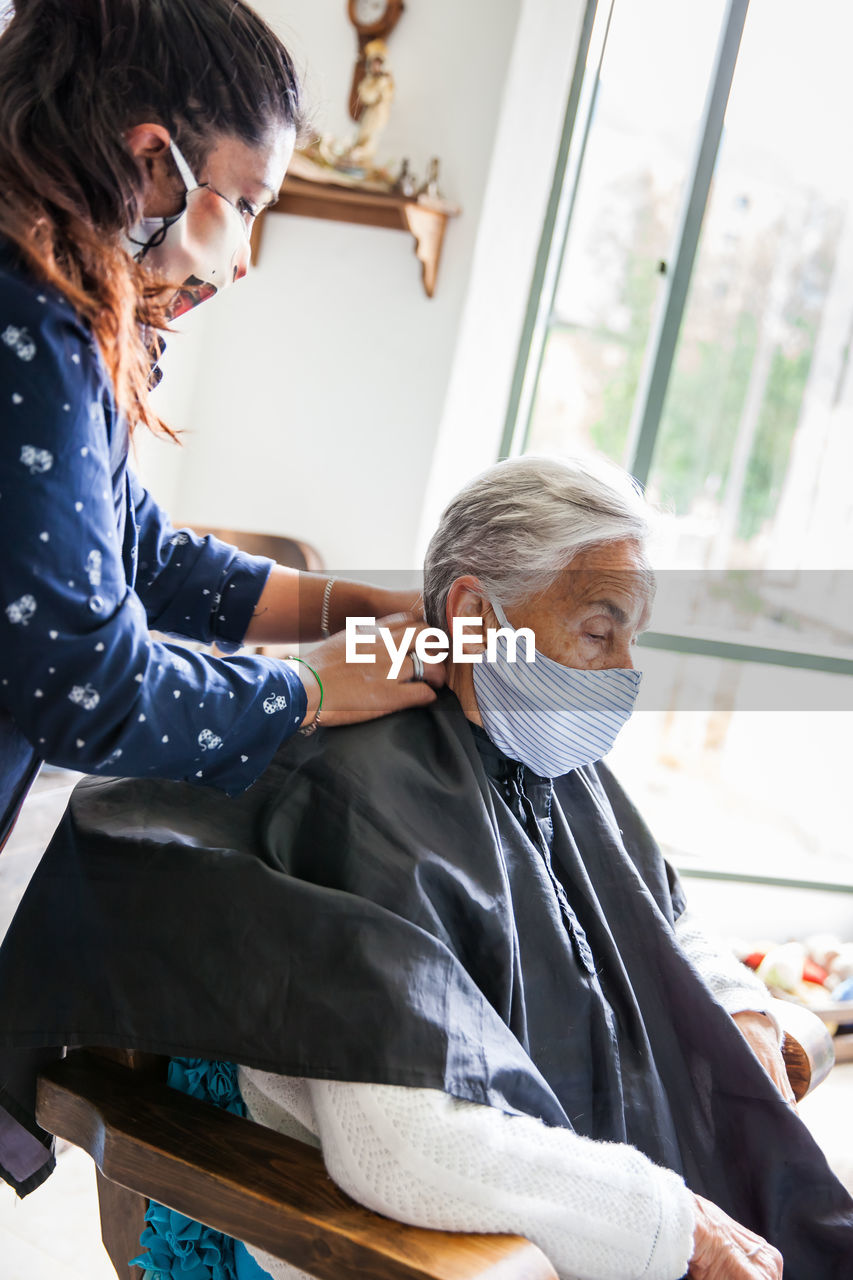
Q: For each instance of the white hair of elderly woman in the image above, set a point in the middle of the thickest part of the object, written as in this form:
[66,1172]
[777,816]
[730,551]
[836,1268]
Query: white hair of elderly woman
[515,526]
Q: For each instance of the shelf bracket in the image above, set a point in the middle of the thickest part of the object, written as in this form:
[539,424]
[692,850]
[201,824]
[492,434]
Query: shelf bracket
[426,223]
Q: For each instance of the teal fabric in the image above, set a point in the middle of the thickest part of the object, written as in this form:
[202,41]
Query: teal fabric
[246,1267]
[174,1246]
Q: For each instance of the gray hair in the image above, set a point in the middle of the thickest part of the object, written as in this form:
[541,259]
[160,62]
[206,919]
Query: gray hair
[516,526]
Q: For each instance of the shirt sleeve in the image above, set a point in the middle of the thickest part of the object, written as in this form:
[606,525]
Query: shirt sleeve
[79,672]
[193,586]
[597,1210]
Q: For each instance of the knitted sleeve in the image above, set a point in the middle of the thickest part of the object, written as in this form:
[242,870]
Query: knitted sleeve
[598,1210]
[732,984]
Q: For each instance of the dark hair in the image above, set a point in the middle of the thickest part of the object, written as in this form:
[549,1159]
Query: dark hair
[74,75]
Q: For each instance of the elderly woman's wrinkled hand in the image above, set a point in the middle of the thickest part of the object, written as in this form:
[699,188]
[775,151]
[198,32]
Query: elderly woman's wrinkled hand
[724,1250]
[760,1034]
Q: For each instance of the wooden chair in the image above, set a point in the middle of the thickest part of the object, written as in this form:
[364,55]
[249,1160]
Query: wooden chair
[238,1177]
[271,1191]
[287,551]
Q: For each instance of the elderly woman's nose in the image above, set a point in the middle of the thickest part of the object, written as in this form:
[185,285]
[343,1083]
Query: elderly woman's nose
[622,655]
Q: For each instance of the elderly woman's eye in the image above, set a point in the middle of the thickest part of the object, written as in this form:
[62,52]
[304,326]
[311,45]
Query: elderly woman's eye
[592,636]
[247,210]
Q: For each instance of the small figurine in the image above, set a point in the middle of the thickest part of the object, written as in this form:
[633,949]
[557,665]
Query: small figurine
[430,186]
[375,94]
[405,184]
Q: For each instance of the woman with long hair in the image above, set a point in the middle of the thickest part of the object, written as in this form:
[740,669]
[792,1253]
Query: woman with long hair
[139,139]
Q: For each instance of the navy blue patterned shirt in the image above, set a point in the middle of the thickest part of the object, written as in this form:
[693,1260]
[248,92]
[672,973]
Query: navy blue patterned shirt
[89,564]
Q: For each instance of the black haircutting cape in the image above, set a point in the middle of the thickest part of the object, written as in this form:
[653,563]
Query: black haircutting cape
[373,910]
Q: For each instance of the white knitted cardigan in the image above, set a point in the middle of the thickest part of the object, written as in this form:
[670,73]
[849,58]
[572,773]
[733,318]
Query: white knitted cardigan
[598,1210]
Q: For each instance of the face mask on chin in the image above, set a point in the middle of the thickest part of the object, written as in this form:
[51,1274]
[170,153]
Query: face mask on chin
[206,246]
[551,717]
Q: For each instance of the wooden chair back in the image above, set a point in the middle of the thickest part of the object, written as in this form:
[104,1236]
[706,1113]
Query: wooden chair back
[290,552]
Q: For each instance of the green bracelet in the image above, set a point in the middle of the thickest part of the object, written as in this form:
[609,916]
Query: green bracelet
[305,730]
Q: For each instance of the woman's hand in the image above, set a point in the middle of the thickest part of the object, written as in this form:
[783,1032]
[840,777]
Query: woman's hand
[761,1036]
[724,1250]
[362,691]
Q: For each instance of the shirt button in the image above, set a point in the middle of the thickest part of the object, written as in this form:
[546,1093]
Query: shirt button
[96,604]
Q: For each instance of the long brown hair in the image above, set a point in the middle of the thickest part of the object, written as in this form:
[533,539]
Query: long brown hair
[74,75]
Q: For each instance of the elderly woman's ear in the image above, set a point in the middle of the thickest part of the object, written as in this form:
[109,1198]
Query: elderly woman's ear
[466,599]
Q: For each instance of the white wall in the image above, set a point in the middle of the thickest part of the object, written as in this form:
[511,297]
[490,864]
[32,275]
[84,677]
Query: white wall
[327,396]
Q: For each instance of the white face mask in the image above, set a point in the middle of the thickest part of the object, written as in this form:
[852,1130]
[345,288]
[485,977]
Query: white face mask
[204,248]
[551,717]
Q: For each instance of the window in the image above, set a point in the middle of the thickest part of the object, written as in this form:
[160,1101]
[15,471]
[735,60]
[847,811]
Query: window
[692,318]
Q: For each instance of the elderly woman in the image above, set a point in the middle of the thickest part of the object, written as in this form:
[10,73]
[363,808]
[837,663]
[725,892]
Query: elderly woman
[460,963]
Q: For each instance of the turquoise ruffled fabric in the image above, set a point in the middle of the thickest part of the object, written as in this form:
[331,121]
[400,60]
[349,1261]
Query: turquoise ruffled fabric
[214,1082]
[180,1249]
[247,1268]
[176,1247]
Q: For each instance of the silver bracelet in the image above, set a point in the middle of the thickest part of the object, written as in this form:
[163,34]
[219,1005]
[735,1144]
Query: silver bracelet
[308,729]
[324,612]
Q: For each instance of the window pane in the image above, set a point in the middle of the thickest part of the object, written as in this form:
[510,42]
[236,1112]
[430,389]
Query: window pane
[744,766]
[755,452]
[654,76]
[805,612]
[748,791]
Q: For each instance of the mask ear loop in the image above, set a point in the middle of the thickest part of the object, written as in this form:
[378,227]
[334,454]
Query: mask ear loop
[189,181]
[500,615]
[187,175]
[151,243]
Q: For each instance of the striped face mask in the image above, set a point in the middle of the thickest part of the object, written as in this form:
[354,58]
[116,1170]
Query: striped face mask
[551,717]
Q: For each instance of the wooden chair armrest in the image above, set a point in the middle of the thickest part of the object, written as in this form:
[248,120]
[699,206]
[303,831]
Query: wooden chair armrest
[252,1183]
[807,1046]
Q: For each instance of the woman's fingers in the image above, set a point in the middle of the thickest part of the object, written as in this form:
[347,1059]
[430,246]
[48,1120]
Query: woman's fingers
[760,1034]
[384,674]
[723,1249]
[432,673]
[397,635]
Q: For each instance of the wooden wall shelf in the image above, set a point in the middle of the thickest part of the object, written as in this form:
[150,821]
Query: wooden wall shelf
[370,208]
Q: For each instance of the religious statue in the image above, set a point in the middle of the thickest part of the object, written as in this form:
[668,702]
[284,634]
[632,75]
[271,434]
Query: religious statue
[375,95]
